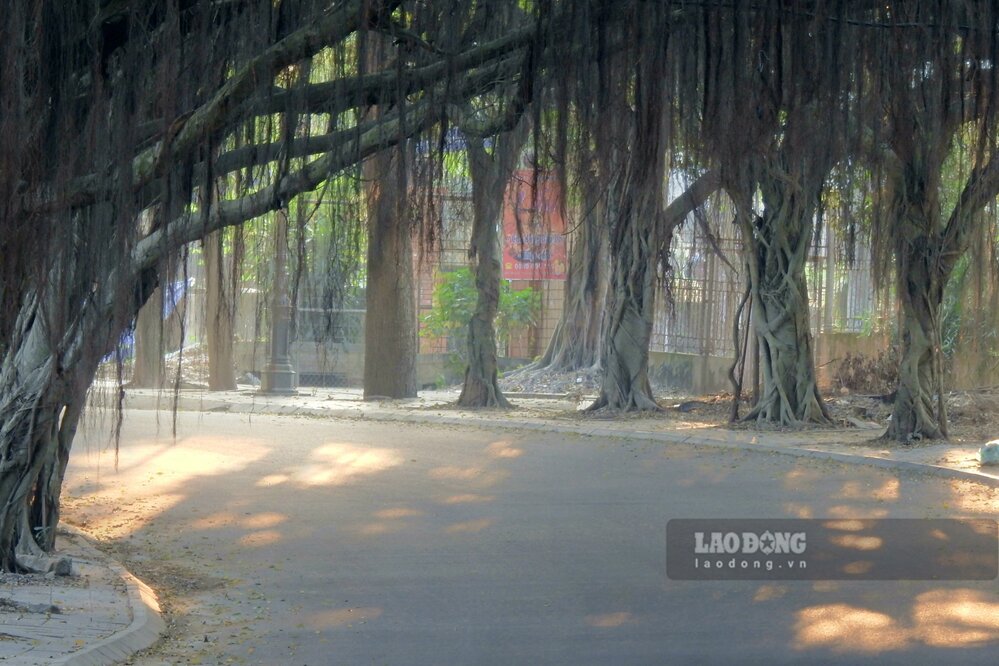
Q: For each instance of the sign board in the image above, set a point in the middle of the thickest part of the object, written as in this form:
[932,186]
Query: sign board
[534,241]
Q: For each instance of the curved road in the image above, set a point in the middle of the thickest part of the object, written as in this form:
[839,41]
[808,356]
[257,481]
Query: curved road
[284,540]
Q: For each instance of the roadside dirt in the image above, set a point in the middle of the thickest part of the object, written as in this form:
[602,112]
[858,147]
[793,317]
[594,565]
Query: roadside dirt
[973,415]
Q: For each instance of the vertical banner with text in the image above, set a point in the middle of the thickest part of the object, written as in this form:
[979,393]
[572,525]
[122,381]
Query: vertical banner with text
[534,242]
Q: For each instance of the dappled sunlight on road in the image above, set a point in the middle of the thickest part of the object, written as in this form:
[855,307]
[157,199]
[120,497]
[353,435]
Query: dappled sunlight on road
[155,473]
[335,464]
[947,618]
[503,449]
[846,628]
[846,525]
[102,516]
[886,492]
[164,467]
[769,592]
[387,521]
[847,511]
[398,512]
[857,542]
[610,620]
[858,568]
[254,521]
[971,497]
[260,527]
[377,529]
[469,526]
[957,618]
[264,520]
[800,477]
[477,476]
[798,510]
[466,498]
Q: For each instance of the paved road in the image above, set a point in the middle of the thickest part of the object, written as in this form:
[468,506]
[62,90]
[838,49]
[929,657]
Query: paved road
[288,540]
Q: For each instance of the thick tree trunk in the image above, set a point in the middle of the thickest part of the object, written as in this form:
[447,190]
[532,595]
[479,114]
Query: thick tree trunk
[149,370]
[220,314]
[919,411]
[29,415]
[575,343]
[53,354]
[46,503]
[491,173]
[390,322]
[40,406]
[640,237]
[636,248]
[625,385]
[390,342]
[481,388]
[777,250]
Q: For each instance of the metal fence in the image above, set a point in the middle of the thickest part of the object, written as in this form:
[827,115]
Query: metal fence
[696,316]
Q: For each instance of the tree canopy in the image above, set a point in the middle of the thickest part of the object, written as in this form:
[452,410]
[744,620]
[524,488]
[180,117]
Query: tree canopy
[130,129]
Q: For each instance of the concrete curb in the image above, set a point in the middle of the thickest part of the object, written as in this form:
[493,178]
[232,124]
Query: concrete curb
[147,624]
[189,403]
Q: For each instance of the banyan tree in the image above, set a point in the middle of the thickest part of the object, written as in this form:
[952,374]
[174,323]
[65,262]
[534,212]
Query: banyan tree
[932,82]
[780,95]
[118,147]
[771,122]
[123,126]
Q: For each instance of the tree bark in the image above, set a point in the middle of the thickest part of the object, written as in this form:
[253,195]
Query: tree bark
[634,246]
[390,322]
[44,376]
[220,310]
[919,411]
[640,239]
[575,343]
[390,342]
[491,173]
[926,250]
[776,247]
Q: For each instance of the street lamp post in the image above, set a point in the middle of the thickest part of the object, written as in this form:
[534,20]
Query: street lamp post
[279,375]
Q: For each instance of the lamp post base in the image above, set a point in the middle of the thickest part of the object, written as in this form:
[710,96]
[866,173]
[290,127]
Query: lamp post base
[279,379]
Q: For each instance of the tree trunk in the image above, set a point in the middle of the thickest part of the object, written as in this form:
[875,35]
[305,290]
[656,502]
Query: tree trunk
[42,392]
[29,415]
[575,343]
[491,173]
[149,370]
[220,314]
[46,503]
[641,234]
[777,247]
[634,243]
[390,342]
[390,322]
[919,410]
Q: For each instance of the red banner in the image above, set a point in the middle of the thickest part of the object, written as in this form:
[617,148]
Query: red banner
[533,229]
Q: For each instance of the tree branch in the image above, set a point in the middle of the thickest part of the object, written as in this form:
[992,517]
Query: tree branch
[981,188]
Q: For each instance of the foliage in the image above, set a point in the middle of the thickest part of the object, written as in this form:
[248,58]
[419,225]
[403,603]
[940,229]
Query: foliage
[454,302]
[952,314]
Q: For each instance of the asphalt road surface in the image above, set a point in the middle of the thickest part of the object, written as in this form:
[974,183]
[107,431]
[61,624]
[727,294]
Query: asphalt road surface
[284,540]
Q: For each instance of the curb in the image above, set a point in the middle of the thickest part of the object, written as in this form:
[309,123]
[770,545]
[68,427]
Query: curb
[145,629]
[190,403]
